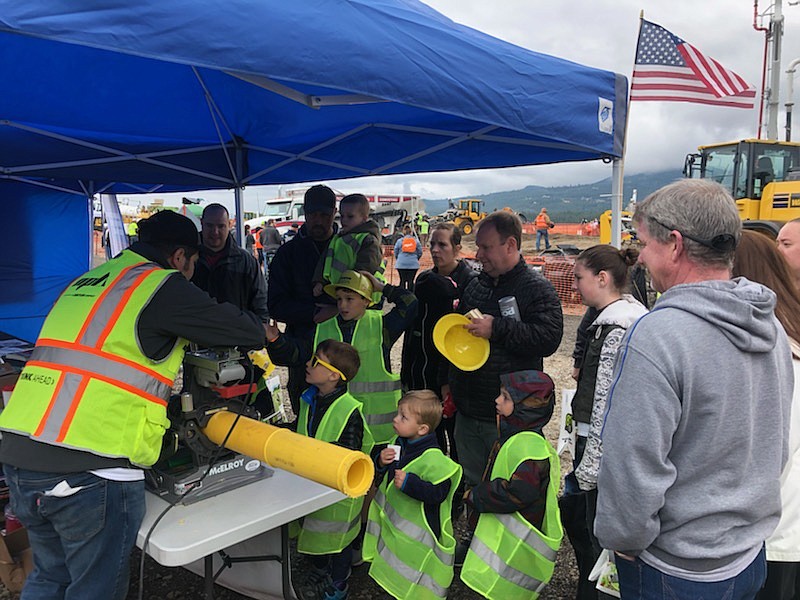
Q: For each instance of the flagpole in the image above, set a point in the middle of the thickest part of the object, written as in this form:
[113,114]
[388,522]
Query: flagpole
[618,164]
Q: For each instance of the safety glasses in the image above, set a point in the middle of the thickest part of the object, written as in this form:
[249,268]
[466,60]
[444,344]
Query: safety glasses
[316,360]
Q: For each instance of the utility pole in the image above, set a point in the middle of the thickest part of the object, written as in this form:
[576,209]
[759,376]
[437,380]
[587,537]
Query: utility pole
[776,35]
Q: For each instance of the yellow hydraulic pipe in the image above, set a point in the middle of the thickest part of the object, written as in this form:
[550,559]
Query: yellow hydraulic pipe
[349,471]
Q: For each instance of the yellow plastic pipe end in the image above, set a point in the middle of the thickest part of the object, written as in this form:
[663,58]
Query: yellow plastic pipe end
[349,471]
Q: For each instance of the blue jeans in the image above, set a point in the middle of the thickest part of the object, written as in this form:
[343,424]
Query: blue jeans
[639,581]
[81,543]
[542,233]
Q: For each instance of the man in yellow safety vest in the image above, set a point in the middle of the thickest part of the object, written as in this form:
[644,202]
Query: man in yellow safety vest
[89,410]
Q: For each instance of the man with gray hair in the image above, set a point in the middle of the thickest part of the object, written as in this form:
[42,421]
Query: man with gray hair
[696,430]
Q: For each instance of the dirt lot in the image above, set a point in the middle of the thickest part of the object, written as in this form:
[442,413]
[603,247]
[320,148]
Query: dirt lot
[529,242]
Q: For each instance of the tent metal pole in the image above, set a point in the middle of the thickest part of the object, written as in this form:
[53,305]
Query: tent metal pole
[238,200]
[617,171]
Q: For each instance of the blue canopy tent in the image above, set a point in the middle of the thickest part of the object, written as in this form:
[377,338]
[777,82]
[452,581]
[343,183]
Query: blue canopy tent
[169,95]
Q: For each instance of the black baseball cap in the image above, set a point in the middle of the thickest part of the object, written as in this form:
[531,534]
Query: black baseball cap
[319,198]
[169,227]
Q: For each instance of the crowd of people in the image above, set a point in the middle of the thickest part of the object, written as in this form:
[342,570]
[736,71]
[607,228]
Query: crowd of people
[687,420]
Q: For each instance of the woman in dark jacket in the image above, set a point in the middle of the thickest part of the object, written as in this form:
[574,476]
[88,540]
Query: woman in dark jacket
[438,291]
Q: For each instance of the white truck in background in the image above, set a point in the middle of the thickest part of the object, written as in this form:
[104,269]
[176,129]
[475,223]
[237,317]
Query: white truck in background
[388,210]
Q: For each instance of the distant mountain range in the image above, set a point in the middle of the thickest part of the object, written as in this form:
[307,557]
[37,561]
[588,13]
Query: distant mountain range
[569,203]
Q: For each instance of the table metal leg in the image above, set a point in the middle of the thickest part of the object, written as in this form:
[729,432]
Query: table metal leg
[228,561]
[209,577]
[286,565]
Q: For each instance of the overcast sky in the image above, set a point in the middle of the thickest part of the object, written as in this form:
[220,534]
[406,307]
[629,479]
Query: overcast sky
[602,34]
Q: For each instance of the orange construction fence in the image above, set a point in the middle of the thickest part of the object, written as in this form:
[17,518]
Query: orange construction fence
[557,269]
[587,229]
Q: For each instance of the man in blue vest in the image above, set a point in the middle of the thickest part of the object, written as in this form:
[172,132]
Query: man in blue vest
[89,410]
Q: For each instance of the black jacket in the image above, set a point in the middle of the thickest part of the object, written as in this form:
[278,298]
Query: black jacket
[291,272]
[526,490]
[580,336]
[423,367]
[235,278]
[177,309]
[514,345]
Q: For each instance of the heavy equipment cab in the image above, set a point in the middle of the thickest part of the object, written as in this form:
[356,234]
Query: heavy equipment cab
[762,176]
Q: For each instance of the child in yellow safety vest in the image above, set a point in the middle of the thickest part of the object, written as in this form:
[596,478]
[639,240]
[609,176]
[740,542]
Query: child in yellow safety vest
[513,550]
[409,537]
[371,333]
[357,246]
[329,413]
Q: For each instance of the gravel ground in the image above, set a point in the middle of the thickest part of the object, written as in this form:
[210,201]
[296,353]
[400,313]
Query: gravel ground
[180,584]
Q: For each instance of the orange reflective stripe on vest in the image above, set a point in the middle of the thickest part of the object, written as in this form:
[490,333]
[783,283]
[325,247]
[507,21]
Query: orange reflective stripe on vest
[110,303]
[83,360]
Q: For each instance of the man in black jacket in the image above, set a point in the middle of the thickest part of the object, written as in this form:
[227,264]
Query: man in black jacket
[517,342]
[226,271]
[290,296]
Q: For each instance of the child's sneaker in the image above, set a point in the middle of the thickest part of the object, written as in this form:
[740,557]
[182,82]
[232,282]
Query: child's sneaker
[332,592]
[315,584]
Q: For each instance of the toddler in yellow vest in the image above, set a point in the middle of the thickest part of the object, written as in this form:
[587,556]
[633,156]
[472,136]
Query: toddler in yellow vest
[357,245]
[329,413]
[513,550]
[409,537]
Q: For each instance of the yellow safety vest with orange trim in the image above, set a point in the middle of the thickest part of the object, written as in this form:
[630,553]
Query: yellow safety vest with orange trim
[88,385]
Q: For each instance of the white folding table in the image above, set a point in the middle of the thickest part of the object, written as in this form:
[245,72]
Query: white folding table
[257,512]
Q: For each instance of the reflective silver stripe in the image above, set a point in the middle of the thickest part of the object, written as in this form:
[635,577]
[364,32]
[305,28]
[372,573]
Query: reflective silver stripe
[338,266]
[411,575]
[351,241]
[110,303]
[61,405]
[373,528]
[380,419]
[413,531]
[527,535]
[105,368]
[502,569]
[369,387]
[322,526]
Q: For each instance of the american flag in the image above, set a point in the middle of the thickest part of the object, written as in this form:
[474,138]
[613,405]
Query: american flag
[669,69]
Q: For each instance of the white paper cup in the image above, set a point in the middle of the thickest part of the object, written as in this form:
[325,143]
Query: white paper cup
[396,449]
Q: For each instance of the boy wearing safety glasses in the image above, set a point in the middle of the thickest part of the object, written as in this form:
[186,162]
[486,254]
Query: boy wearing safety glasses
[371,333]
[330,414]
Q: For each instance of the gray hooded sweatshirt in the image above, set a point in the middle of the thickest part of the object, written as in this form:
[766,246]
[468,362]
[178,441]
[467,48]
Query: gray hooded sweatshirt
[696,431]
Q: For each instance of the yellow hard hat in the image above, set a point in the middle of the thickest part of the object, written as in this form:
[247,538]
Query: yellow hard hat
[466,351]
[354,281]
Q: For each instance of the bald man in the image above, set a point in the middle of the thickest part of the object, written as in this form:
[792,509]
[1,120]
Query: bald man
[789,246]
[227,272]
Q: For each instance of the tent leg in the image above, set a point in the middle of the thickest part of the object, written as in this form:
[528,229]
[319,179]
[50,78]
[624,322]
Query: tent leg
[617,173]
[238,202]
